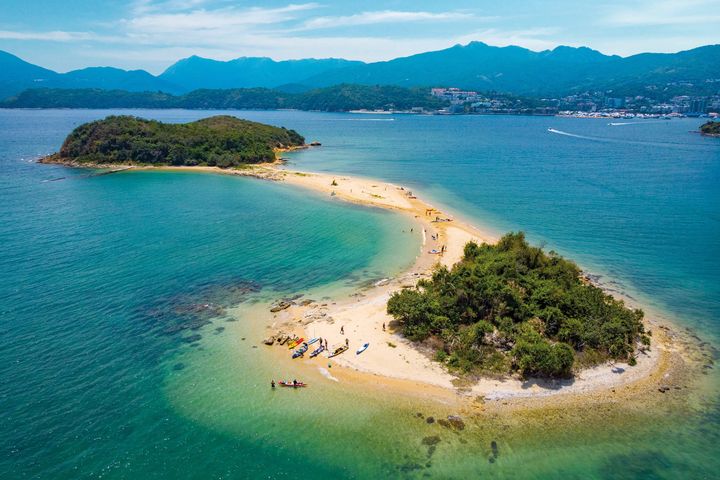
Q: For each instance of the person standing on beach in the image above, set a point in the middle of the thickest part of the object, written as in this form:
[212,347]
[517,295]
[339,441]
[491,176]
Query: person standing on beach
[342,330]
[383,326]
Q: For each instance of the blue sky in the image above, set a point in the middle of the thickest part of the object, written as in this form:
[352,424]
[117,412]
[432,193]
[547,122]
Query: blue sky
[152,34]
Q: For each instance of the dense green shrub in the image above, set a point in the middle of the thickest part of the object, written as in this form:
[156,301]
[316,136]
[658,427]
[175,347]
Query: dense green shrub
[515,302]
[222,141]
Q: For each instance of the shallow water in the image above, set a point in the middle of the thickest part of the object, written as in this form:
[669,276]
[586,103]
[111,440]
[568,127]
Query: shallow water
[104,276]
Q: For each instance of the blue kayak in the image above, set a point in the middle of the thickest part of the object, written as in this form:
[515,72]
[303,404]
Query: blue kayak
[300,351]
[362,349]
[317,351]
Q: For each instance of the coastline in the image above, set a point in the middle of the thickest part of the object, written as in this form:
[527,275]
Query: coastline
[392,362]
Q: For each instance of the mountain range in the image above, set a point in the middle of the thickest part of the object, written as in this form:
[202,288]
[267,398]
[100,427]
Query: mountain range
[515,70]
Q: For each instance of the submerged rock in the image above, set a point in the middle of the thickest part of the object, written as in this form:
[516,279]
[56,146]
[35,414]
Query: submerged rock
[430,420]
[456,422]
[192,338]
[194,324]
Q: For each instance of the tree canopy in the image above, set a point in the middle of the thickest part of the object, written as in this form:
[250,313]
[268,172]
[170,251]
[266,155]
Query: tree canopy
[512,307]
[222,141]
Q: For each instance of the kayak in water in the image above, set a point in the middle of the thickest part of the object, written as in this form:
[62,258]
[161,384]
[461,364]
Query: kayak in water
[285,383]
[362,349]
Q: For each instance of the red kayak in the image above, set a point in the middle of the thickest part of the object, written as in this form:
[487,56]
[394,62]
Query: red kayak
[283,383]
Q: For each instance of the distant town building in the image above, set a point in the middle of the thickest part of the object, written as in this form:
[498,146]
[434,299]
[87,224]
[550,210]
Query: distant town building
[614,102]
[454,95]
[698,106]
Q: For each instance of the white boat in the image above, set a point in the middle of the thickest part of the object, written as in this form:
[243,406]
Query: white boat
[362,349]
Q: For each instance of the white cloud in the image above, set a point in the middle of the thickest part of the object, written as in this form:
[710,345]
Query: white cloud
[384,16]
[218,20]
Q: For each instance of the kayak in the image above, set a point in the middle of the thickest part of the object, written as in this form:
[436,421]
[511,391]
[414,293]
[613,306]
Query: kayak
[362,349]
[338,351]
[313,340]
[291,384]
[295,343]
[317,351]
[300,351]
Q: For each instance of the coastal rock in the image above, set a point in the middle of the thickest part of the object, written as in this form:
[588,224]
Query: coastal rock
[269,340]
[280,306]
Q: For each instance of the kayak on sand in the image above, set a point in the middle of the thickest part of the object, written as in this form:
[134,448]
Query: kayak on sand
[295,343]
[338,351]
[300,351]
[362,349]
[317,351]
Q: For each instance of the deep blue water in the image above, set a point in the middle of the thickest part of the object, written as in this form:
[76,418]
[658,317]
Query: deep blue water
[97,272]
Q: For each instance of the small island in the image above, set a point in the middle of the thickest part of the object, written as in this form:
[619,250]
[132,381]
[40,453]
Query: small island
[221,141]
[711,129]
[511,307]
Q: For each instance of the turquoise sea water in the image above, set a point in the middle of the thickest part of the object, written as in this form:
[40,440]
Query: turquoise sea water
[106,281]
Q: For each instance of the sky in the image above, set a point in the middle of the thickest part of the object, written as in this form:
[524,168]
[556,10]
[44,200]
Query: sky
[152,34]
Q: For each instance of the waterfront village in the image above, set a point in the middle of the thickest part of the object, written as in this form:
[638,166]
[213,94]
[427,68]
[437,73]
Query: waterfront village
[590,104]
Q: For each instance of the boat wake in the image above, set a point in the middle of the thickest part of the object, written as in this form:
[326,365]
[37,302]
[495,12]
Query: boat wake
[618,124]
[365,119]
[567,134]
[325,373]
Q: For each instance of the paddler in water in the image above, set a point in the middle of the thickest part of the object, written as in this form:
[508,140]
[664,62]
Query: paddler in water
[272,383]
